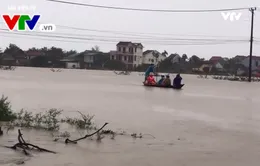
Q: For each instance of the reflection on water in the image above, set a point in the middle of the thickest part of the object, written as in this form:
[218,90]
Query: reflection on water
[208,123]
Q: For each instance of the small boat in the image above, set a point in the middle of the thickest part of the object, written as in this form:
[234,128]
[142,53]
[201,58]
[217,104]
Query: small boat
[160,86]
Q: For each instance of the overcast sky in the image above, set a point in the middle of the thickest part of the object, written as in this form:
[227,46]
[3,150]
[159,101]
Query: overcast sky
[176,25]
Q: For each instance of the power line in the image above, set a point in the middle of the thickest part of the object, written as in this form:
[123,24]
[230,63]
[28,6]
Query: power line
[148,10]
[115,41]
[142,34]
[136,38]
[139,33]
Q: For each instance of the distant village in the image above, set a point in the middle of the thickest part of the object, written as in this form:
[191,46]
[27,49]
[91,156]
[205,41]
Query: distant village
[127,56]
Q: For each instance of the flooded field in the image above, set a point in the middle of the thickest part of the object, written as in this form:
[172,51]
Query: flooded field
[208,123]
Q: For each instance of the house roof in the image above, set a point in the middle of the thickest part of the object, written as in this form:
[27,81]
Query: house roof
[155,53]
[127,43]
[255,57]
[240,56]
[215,58]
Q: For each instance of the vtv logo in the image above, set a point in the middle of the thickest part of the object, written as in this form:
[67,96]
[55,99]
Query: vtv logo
[24,20]
[231,16]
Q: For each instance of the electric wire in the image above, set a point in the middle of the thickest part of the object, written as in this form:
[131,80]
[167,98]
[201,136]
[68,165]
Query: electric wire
[148,10]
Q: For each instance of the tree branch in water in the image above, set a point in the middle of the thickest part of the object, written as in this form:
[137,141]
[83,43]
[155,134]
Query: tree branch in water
[26,146]
[86,136]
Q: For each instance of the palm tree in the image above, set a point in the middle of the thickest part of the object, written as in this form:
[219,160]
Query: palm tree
[165,53]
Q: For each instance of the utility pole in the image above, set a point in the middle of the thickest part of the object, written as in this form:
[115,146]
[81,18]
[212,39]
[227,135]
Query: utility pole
[252,10]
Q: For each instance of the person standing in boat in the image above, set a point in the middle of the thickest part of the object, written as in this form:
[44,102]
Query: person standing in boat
[177,81]
[149,70]
[167,81]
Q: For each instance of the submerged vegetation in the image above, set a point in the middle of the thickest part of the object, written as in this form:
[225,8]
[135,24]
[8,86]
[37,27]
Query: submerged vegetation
[50,121]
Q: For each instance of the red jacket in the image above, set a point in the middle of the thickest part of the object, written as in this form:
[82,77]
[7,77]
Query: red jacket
[150,80]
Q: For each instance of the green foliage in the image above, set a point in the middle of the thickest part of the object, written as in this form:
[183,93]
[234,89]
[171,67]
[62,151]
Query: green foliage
[48,120]
[86,122]
[40,61]
[6,114]
[24,119]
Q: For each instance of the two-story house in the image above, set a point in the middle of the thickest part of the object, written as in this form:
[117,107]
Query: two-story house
[129,53]
[152,56]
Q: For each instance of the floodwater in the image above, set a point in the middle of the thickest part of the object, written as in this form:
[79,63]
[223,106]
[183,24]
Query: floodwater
[208,123]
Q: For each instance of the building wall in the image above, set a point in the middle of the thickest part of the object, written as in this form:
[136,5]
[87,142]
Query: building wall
[138,57]
[89,59]
[129,55]
[255,63]
[149,58]
[218,66]
[69,65]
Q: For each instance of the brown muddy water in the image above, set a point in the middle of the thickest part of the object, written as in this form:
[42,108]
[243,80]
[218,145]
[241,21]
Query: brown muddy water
[208,123]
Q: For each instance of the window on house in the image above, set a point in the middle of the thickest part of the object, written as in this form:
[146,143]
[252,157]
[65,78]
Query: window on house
[119,49]
[112,57]
[123,49]
[135,49]
[256,63]
[130,58]
[125,58]
[135,57]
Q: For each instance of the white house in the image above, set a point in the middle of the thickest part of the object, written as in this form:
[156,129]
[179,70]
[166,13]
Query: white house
[255,62]
[129,53]
[152,56]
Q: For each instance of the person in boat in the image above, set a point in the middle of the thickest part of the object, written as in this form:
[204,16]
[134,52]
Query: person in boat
[167,81]
[177,81]
[160,82]
[150,80]
[149,70]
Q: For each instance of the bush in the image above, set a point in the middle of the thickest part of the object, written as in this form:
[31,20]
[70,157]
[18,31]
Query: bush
[6,113]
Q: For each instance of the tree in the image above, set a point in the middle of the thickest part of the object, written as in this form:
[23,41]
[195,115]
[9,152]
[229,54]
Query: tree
[165,53]
[95,48]
[40,61]
[33,49]
[184,57]
[13,50]
[71,52]
[54,54]
[194,59]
